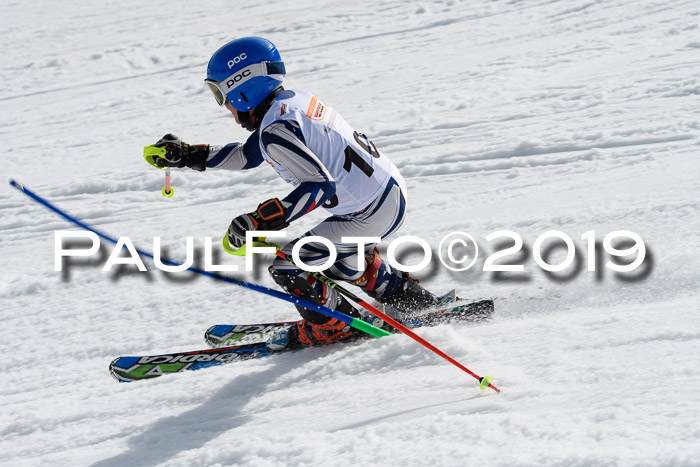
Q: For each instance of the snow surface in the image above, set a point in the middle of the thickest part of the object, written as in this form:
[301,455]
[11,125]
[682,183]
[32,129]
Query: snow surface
[528,116]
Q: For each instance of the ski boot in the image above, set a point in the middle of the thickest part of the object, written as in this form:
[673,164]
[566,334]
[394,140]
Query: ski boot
[316,328]
[307,333]
[327,333]
[409,298]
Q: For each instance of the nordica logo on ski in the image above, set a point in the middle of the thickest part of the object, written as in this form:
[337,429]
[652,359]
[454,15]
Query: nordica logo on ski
[184,358]
[257,328]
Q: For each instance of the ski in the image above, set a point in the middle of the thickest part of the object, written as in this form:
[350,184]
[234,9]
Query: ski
[471,312]
[231,343]
[128,369]
[226,334]
[229,334]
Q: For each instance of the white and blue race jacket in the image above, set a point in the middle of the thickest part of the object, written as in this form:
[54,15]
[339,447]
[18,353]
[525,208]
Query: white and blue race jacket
[312,147]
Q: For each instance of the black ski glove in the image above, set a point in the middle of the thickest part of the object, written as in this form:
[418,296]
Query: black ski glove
[268,216]
[179,154]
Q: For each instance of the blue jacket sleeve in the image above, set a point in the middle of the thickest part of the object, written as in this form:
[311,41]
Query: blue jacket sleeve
[236,156]
[306,197]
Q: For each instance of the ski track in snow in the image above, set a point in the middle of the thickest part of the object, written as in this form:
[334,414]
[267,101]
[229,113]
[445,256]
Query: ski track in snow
[526,116]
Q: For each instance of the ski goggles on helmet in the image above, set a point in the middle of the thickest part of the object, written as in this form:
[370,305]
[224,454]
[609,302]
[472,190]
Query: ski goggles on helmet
[220,89]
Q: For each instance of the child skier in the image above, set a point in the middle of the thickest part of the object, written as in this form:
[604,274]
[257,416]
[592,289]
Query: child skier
[330,165]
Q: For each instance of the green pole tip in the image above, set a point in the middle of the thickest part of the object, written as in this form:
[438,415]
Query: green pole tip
[485,381]
[368,328]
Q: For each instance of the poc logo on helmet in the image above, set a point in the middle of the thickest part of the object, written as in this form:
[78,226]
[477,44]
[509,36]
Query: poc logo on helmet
[234,61]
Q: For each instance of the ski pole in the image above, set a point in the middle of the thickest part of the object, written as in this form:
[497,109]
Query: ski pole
[167,190]
[149,152]
[354,322]
[484,381]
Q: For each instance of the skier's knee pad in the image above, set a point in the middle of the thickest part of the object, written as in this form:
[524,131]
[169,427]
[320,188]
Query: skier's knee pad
[307,286]
[300,287]
[282,266]
[379,279]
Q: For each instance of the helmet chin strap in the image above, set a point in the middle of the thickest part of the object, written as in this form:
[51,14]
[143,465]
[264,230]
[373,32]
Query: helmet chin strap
[252,119]
[244,118]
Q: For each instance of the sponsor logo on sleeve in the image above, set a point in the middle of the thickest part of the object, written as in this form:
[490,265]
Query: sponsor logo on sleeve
[316,110]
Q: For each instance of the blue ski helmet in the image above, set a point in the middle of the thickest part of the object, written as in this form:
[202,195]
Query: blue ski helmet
[244,72]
